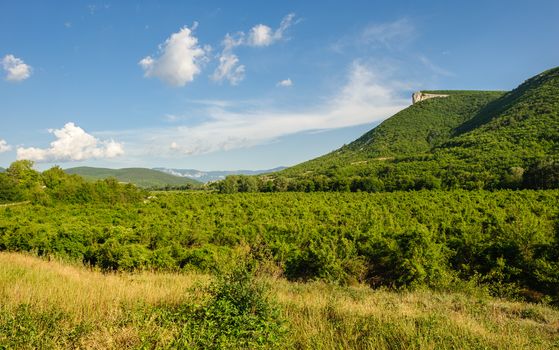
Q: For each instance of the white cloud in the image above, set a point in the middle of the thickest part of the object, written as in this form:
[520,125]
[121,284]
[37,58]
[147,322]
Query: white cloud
[230,69]
[15,68]
[179,60]
[365,98]
[260,35]
[72,144]
[4,147]
[285,83]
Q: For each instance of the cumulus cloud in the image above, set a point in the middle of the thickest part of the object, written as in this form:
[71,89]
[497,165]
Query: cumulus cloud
[16,70]
[285,83]
[179,59]
[260,35]
[72,144]
[4,147]
[365,97]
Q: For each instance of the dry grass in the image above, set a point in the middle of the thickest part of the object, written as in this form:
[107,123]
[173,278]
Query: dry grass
[113,312]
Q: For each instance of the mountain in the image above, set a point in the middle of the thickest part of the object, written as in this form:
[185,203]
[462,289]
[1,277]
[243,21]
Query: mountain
[208,176]
[459,139]
[141,177]
[2,169]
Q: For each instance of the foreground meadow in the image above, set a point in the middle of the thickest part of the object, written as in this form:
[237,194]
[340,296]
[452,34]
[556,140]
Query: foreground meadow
[49,304]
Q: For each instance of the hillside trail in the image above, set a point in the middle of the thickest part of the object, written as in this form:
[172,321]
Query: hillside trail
[14,204]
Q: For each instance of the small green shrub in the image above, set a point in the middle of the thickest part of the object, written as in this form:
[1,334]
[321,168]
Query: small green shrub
[237,315]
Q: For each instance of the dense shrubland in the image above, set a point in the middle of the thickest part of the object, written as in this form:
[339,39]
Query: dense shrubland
[505,240]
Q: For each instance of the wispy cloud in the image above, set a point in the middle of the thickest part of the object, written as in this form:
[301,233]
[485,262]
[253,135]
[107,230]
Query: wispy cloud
[393,35]
[366,97]
[72,144]
[179,59]
[16,70]
[260,35]
[434,68]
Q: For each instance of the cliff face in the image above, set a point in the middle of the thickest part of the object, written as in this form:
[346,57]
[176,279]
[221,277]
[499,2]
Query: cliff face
[421,96]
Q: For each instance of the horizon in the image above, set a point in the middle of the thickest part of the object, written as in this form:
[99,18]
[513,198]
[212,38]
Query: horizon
[244,86]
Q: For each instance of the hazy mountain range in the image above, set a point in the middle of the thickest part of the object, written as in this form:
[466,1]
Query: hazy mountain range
[208,176]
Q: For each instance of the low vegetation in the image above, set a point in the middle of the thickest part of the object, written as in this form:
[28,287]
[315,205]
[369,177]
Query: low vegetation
[48,304]
[505,240]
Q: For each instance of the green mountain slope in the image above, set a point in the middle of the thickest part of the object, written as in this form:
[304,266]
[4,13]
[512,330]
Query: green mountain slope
[141,177]
[469,139]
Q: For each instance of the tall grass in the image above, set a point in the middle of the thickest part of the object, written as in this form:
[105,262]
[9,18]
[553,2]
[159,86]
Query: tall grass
[48,304]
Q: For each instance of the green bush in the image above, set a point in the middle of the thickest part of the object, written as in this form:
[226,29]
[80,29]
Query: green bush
[238,314]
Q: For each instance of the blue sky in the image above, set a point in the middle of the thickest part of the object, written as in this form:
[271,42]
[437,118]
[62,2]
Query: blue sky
[218,85]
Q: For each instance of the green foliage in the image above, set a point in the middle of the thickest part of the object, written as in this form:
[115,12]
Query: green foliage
[22,183]
[505,239]
[236,313]
[27,328]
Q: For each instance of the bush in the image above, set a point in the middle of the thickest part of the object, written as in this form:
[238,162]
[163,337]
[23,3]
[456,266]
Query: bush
[237,315]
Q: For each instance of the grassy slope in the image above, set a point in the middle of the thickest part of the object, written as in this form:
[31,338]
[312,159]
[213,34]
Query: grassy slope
[139,176]
[48,304]
[468,129]
[414,130]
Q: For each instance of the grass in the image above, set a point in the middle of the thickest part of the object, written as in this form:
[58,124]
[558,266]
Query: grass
[49,304]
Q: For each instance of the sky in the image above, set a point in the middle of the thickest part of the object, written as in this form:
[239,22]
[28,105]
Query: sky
[225,85]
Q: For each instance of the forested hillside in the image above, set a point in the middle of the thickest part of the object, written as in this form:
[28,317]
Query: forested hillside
[142,177]
[469,140]
[20,182]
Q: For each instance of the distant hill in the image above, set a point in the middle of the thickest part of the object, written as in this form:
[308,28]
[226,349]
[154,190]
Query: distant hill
[141,177]
[208,176]
[468,139]
[2,169]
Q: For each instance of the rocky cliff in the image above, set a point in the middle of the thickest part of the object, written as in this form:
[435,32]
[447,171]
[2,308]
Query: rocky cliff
[421,96]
